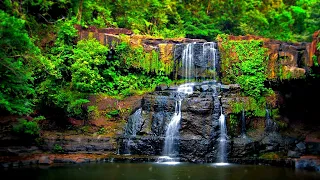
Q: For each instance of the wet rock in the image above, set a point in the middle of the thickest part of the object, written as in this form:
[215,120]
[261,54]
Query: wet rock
[15,164]
[293,154]
[87,144]
[45,160]
[5,165]
[196,88]
[313,148]
[19,150]
[82,160]
[111,40]
[243,147]
[301,146]
[75,122]
[199,105]
[159,122]
[141,145]
[204,88]
[115,31]
[308,163]
[197,150]
[161,87]
[29,162]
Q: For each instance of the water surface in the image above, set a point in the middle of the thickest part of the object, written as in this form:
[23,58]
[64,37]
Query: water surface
[155,171]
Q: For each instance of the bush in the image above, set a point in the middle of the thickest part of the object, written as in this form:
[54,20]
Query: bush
[58,149]
[29,128]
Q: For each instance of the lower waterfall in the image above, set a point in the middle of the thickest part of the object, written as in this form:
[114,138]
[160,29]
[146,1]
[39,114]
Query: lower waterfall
[223,138]
[172,132]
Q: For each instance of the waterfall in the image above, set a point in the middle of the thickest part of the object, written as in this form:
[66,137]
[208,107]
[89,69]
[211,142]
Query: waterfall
[186,88]
[134,123]
[211,54]
[223,138]
[243,124]
[172,132]
[170,149]
[198,59]
[132,128]
[270,125]
[188,61]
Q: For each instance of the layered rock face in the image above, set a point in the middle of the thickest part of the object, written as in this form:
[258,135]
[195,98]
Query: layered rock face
[199,128]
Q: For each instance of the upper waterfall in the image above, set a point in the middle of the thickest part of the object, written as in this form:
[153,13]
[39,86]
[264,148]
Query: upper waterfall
[197,60]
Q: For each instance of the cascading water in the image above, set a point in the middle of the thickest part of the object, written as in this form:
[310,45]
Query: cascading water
[133,126]
[172,131]
[270,125]
[222,139]
[170,149]
[243,124]
[199,59]
[188,62]
[210,53]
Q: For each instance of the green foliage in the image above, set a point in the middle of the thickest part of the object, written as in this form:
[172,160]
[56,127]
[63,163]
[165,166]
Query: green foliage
[234,124]
[139,59]
[102,131]
[58,148]
[244,62]
[29,128]
[113,113]
[83,129]
[17,57]
[61,73]
[88,59]
[70,101]
[93,112]
[295,20]
[254,107]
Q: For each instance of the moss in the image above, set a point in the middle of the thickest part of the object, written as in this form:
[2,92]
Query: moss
[93,112]
[252,107]
[272,155]
[233,126]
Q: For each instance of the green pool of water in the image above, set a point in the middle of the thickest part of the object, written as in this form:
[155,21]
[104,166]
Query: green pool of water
[155,171]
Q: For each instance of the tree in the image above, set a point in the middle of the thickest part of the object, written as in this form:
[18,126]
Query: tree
[17,56]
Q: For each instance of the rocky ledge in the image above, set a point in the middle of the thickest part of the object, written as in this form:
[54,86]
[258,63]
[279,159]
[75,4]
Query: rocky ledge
[51,159]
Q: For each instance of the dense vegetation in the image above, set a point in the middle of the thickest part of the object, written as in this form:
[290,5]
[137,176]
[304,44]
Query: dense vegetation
[43,65]
[245,63]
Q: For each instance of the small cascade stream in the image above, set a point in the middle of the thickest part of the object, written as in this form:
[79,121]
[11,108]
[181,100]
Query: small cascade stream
[222,139]
[210,52]
[270,126]
[172,131]
[133,126]
[243,124]
[170,149]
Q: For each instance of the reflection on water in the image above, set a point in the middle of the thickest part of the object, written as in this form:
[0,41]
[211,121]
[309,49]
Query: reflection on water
[156,171]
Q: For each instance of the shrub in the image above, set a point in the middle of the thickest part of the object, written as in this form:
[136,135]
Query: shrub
[58,149]
[29,128]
